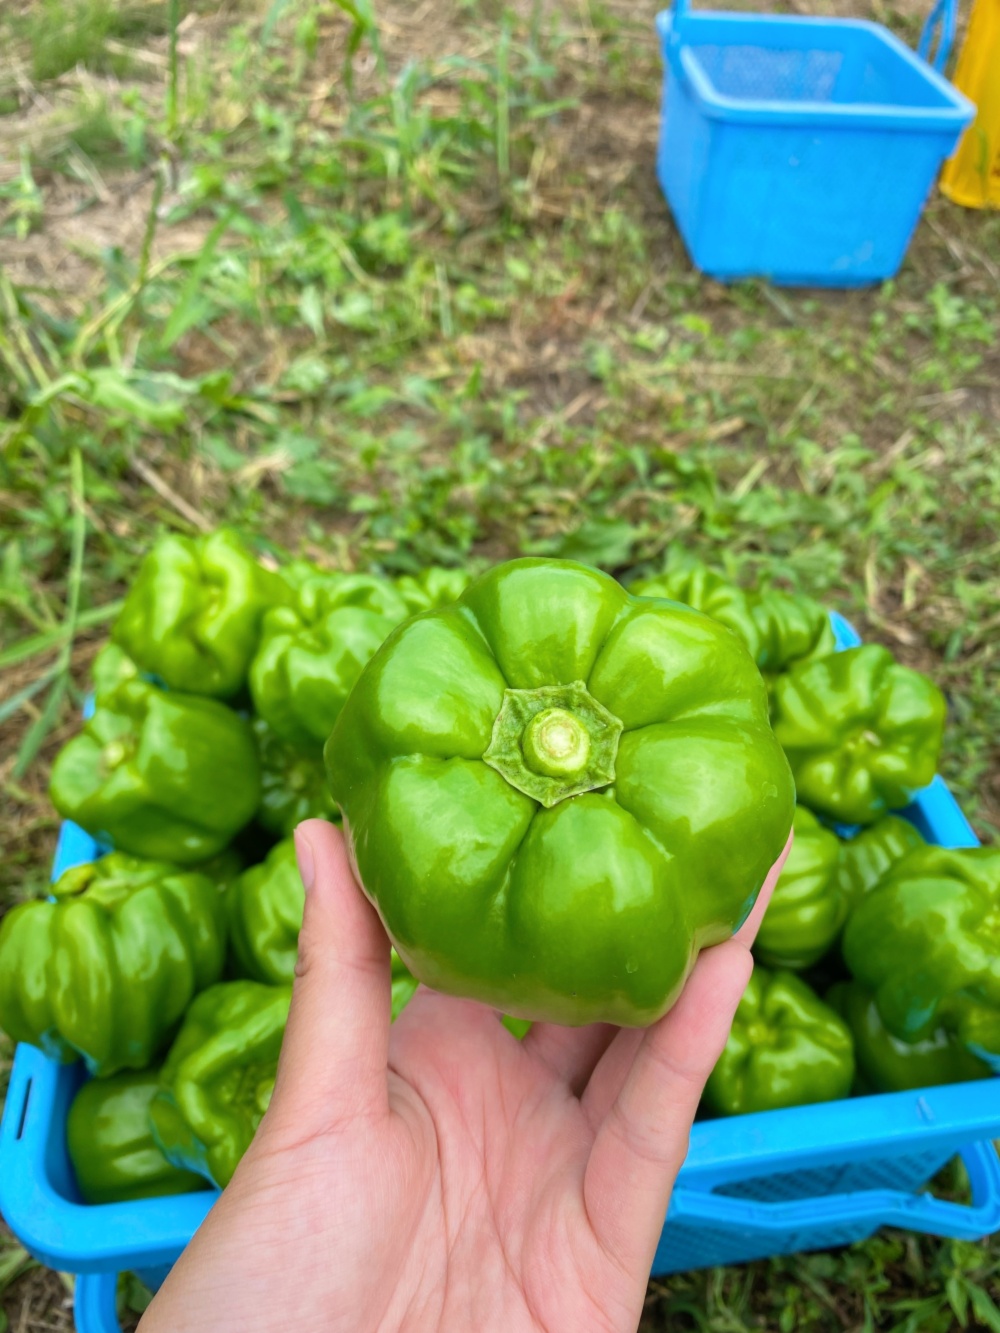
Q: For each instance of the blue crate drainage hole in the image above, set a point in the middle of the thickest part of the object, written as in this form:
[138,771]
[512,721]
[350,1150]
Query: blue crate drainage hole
[22,1119]
[908,1172]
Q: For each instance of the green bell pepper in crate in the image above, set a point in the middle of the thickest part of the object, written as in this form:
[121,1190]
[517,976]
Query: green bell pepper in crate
[292,783]
[865,858]
[432,587]
[111,1145]
[312,652]
[265,916]
[556,793]
[786,1048]
[886,1064]
[192,616]
[217,1079]
[792,628]
[162,775]
[696,585]
[860,731]
[107,969]
[924,941]
[808,908]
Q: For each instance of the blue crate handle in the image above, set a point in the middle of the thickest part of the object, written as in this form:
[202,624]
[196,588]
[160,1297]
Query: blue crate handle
[95,1303]
[944,15]
[915,1212]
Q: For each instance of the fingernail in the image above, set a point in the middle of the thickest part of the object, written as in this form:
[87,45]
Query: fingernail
[304,855]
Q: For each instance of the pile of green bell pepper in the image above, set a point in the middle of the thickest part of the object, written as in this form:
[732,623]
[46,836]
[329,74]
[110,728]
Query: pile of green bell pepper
[556,793]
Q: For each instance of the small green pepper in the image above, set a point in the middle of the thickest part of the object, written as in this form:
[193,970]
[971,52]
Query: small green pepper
[265,907]
[162,775]
[111,1145]
[107,969]
[432,587]
[292,783]
[786,1048]
[312,652]
[886,1064]
[924,941]
[192,617]
[792,628]
[860,731]
[865,858]
[556,793]
[808,909]
[217,1079]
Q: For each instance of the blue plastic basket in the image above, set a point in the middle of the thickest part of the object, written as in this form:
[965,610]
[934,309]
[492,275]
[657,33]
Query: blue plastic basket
[801,149]
[752,1186]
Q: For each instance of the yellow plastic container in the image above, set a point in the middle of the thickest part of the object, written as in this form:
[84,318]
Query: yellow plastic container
[972,176]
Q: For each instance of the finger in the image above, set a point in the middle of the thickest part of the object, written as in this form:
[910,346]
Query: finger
[335,1053]
[747,933]
[571,1053]
[641,1144]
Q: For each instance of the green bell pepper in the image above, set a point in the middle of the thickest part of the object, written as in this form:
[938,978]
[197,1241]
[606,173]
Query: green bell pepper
[111,1145]
[110,668]
[163,775]
[924,941]
[107,969]
[311,653]
[696,585]
[192,616]
[792,628]
[432,587]
[265,907]
[860,731]
[786,1048]
[865,858]
[556,793]
[808,909]
[218,1077]
[292,783]
[886,1064]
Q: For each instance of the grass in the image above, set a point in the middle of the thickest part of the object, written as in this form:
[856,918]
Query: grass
[399,287]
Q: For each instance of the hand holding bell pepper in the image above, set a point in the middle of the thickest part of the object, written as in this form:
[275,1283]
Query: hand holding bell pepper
[192,616]
[860,731]
[786,1048]
[107,969]
[111,1145]
[556,793]
[162,775]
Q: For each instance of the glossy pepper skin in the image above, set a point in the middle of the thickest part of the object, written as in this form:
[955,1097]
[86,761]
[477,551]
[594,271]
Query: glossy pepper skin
[265,907]
[163,775]
[696,585]
[107,969]
[312,652]
[432,587]
[218,1077]
[556,793]
[808,909]
[924,942]
[292,783]
[786,1048]
[192,616]
[860,731]
[865,858]
[886,1064]
[111,1145]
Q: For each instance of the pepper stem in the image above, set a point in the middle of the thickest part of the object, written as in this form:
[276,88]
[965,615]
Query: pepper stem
[554,741]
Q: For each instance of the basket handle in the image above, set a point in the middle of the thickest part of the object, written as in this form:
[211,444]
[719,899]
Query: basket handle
[915,1212]
[94,1303]
[943,15]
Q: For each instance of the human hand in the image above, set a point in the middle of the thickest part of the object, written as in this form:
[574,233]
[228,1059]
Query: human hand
[439,1174]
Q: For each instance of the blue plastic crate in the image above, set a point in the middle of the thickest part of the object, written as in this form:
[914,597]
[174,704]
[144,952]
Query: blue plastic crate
[752,1186]
[800,149]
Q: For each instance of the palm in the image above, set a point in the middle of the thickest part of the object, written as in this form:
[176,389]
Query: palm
[442,1175]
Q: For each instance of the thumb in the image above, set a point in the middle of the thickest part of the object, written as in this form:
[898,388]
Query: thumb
[335,1054]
